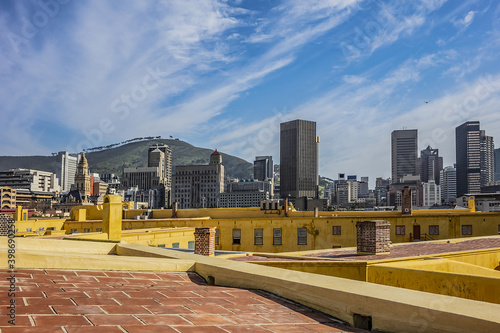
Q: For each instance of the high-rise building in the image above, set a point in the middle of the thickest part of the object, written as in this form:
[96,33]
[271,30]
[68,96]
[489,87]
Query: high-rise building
[263,167]
[497,164]
[404,145]
[487,159]
[66,170]
[448,181]
[468,154]
[430,165]
[298,159]
[199,186]
[160,156]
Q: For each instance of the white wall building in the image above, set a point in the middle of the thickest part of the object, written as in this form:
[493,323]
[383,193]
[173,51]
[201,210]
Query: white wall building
[431,193]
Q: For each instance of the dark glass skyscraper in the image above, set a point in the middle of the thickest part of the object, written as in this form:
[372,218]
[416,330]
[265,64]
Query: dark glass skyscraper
[298,159]
[431,165]
[468,154]
[263,167]
[404,144]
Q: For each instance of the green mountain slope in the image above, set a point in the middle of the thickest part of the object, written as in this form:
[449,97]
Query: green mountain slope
[135,154]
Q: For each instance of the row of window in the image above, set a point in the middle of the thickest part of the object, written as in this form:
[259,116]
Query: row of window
[259,236]
[434,229]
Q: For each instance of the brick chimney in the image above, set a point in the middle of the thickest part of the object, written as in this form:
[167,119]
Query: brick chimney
[204,241]
[406,201]
[373,237]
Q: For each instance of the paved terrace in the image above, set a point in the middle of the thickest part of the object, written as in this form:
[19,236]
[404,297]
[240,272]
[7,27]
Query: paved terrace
[108,301]
[397,251]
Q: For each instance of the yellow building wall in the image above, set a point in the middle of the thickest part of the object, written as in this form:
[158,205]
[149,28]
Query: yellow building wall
[319,230]
[22,226]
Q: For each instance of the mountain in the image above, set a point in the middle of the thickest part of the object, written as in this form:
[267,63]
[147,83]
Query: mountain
[135,154]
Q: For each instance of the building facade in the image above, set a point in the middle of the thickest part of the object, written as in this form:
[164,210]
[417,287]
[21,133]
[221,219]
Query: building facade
[431,193]
[468,155]
[404,144]
[7,198]
[83,183]
[263,167]
[449,184]
[66,170]
[246,193]
[487,159]
[430,165]
[31,180]
[497,164]
[298,159]
[199,186]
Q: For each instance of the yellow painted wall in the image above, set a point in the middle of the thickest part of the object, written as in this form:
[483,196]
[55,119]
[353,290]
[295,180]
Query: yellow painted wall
[156,237]
[92,212]
[22,226]
[480,288]
[320,230]
[347,270]
[484,258]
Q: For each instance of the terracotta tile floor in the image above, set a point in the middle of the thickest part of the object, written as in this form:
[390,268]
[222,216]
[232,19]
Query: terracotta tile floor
[85,301]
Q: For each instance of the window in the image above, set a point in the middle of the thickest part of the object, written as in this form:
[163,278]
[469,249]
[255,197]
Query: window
[73,230]
[467,229]
[258,236]
[216,236]
[336,230]
[499,229]
[236,236]
[86,230]
[28,229]
[98,229]
[302,236]
[175,245]
[161,245]
[277,236]
[191,245]
[400,230]
[433,230]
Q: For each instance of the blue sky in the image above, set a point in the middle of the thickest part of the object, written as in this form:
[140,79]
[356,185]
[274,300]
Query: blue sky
[224,74]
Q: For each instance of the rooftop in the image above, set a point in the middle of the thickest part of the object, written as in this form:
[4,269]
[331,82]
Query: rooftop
[397,251]
[80,300]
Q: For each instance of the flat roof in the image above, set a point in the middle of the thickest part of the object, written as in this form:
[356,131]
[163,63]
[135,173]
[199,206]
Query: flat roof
[402,250]
[81,300]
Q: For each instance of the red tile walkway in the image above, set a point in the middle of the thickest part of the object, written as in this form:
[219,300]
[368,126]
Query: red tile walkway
[95,301]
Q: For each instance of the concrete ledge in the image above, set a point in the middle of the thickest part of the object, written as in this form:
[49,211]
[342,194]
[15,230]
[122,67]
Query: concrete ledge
[94,262]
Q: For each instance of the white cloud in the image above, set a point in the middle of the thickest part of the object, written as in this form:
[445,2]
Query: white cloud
[353,79]
[466,21]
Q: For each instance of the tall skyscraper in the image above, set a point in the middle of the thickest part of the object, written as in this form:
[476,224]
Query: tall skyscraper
[66,170]
[404,144]
[430,165]
[468,154]
[448,181]
[487,159]
[298,159]
[263,167]
[497,164]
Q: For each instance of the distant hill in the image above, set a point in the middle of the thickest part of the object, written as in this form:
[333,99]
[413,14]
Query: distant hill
[135,154]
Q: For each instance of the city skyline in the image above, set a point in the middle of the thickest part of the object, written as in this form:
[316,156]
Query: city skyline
[235,70]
